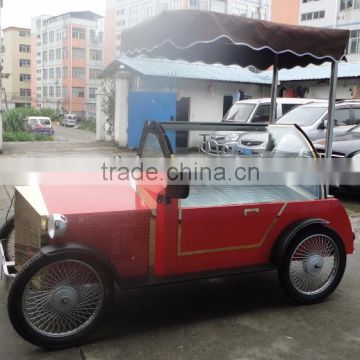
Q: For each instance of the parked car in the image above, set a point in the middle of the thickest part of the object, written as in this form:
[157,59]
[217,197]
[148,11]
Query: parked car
[258,110]
[39,125]
[73,243]
[253,111]
[312,118]
[346,145]
[69,120]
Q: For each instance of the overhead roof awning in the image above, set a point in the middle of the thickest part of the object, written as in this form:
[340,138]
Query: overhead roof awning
[196,35]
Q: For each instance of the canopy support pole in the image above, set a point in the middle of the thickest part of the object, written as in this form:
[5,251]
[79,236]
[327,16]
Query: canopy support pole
[331,113]
[274,91]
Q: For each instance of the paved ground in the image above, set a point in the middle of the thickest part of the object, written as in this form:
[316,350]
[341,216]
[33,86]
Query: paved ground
[69,142]
[245,317]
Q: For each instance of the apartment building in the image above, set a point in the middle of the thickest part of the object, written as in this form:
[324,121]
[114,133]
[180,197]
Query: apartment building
[341,14]
[68,55]
[319,13]
[17,63]
[123,14]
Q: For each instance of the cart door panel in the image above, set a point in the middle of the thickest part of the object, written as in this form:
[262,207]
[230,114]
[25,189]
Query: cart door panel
[225,236]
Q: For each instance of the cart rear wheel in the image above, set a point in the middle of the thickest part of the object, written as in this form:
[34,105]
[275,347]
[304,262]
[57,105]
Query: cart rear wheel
[55,301]
[7,233]
[313,266]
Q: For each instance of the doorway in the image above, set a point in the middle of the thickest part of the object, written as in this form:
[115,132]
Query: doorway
[182,114]
[228,102]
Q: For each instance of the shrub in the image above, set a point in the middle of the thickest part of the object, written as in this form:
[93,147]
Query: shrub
[13,119]
[87,125]
[25,136]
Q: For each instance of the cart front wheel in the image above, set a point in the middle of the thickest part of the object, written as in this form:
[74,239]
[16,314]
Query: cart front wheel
[313,266]
[56,301]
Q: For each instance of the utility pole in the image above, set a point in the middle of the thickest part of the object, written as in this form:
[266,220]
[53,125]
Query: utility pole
[1,89]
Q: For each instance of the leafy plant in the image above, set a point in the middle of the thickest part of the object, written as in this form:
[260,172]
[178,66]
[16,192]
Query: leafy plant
[108,106]
[25,136]
[87,125]
[13,120]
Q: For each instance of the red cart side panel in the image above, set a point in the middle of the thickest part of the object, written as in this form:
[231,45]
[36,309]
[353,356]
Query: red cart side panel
[111,219]
[255,244]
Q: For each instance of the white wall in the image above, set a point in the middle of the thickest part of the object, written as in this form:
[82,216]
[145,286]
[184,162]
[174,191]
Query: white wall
[207,99]
[321,91]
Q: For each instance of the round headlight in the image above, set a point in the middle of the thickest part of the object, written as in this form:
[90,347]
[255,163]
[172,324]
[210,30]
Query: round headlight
[57,225]
[232,137]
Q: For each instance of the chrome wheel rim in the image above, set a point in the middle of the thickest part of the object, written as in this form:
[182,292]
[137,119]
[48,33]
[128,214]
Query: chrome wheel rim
[63,298]
[314,264]
[10,246]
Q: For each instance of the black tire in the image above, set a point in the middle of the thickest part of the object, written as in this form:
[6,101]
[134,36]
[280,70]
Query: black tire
[20,296]
[312,268]
[7,234]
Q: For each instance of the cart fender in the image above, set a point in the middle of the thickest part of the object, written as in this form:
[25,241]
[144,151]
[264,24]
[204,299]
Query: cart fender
[80,249]
[289,234]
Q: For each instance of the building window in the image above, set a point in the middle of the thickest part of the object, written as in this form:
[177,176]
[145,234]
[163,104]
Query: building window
[313,15]
[92,93]
[25,77]
[45,38]
[58,91]
[58,54]
[95,55]
[78,53]
[24,63]
[121,23]
[65,73]
[45,91]
[51,91]
[94,73]
[45,74]
[194,4]
[58,35]
[78,33]
[58,73]
[51,74]
[78,73]
[78,92]
[64,92]
[45,56]
[51,36]
[51,55]
[25,92]
[354,42]
[24,48]
[65,34]
[24,33]
[65,53]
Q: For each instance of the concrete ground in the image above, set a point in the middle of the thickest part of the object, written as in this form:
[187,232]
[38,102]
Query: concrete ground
[68,142]
[243,318]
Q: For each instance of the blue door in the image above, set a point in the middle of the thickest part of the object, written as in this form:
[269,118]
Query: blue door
[144,106]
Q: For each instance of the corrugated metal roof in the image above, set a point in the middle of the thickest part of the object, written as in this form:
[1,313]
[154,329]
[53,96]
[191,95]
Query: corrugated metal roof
[186,70]
[312,72]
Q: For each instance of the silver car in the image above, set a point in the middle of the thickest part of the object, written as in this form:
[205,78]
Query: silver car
[312,118]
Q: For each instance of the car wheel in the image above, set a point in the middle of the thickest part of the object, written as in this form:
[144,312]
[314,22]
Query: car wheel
[56,301]
[313,266]
[7,233]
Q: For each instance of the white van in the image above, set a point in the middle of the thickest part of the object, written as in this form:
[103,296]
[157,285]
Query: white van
[69,120]
[258,110]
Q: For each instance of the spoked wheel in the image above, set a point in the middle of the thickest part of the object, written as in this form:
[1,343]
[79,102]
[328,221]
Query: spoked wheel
[7,233]
[313,266]
[55,301]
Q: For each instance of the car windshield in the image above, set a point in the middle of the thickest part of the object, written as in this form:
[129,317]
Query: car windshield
[45,122]
[303,115]
[355,130]
[239,112]
[71,117]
